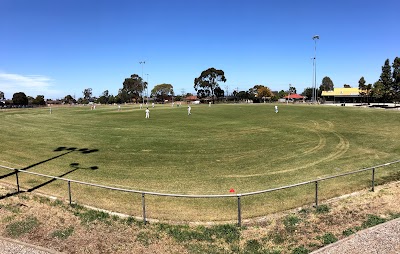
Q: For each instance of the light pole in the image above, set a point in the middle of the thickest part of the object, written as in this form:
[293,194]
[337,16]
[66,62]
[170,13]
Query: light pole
[315,38]
[147,87]
[142,64]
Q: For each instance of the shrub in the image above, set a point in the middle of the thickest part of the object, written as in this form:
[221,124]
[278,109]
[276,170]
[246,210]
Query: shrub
[328,238]
[88,216]
[132,221]
[372,220]
[300,250]
[348,232]
[290,223]
[229,233]
[278,238]
[19,228]
[322,209]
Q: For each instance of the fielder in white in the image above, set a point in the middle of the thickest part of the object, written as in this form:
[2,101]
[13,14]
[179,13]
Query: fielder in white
[147,113]
[189,109]
[276,109]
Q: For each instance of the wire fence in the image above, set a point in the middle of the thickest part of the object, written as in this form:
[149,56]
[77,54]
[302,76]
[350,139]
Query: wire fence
[239,197]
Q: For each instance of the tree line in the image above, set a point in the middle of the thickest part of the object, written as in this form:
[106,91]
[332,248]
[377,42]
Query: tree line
[207,86]
[385,89]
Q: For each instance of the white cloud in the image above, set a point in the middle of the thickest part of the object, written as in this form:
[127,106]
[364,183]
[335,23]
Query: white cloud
[31,85]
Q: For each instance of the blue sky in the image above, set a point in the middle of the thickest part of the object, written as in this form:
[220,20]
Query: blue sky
[56,48]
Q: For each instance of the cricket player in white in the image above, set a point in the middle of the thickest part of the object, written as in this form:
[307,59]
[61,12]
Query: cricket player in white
[189,109]
[147,113]
[276,109]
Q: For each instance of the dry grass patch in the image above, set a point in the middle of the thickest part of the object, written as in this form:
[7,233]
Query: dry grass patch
[75,229]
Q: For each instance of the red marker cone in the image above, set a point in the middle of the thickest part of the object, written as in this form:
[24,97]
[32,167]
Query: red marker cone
[231,190]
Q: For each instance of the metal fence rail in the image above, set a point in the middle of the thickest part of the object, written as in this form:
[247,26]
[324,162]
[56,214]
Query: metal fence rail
[237,196]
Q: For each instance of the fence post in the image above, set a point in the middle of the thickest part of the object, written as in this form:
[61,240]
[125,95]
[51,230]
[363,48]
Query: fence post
[239,211]
[144,209]
[316,193]
[69,193]
[373,179]
[16,174]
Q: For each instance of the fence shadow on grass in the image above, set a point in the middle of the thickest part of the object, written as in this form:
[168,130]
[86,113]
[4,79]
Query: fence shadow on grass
[75,166]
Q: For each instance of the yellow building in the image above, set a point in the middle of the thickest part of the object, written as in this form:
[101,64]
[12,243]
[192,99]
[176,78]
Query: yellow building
[343,95]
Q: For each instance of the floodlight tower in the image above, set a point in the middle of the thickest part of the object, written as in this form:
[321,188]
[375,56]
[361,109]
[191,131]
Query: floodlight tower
[147,88]
[142,64]
[315,94]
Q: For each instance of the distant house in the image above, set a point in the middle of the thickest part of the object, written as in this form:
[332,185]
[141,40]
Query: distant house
[343,95]
[294,97]
[192,99]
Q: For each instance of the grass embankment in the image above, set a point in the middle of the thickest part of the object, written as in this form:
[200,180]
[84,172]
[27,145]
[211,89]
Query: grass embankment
[244,147]
[74,229]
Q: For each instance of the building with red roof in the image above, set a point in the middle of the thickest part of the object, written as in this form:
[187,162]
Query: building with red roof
[294,96]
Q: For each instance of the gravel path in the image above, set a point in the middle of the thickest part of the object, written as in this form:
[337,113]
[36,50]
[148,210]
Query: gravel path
[9,246]
[382,239]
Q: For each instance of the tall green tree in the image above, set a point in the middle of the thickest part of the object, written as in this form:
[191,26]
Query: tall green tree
[242,95]
[162,92]
[20,99]
[30,99]
[369,88]
[387,82]
[362,87]
[219,93]
[260,92]
[123,96]
[104,98]
[326,85]
[377,91]
[396,79]
[282,94]
[69,99]
[292,89]
[133,88]
[208,80]
[39,100]
[87,94]
[308,91]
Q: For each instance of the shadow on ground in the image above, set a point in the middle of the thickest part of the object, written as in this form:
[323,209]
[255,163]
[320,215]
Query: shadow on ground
[74,166]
